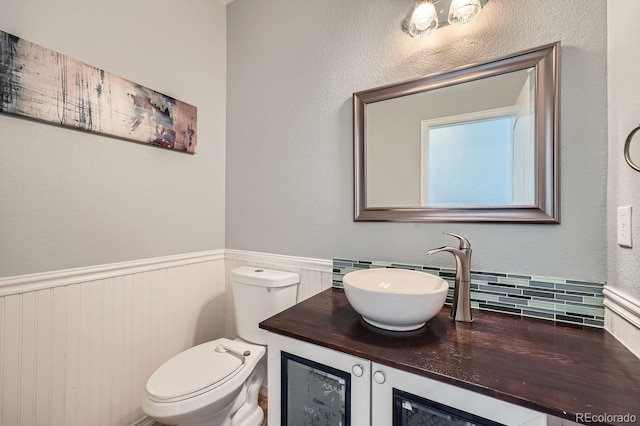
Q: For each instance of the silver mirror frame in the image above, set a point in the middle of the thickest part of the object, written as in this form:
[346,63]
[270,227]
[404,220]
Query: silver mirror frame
[545,60]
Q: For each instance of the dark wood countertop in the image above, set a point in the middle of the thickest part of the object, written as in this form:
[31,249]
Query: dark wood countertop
[550,367]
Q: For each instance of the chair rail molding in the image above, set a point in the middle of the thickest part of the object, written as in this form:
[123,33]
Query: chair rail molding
[42,280]
[622,318]
[312,264]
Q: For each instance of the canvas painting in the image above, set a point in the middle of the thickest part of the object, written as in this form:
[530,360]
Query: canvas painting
[41,84]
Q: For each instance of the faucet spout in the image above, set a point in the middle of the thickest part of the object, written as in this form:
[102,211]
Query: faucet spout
[456,252]
[461,305]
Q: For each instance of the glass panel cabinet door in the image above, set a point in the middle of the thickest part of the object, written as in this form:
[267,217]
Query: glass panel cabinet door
[412,410]
[316,386]
[400,398]
[314,394]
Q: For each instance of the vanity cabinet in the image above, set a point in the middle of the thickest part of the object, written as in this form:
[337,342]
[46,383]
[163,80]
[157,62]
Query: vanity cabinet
[314,385]
[549,367]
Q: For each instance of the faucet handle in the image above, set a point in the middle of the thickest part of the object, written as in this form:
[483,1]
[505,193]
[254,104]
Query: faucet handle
[464,243]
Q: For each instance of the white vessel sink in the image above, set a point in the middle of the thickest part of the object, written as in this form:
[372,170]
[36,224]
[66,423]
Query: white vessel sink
[395,299]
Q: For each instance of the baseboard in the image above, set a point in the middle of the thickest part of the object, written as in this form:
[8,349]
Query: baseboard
[622,318]
[31,282]
[145,421]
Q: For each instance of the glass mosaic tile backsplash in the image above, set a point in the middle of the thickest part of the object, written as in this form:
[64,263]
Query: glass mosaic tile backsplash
[572,301]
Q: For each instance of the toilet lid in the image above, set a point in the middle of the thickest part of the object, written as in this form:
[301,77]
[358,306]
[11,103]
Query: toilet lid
[192,370]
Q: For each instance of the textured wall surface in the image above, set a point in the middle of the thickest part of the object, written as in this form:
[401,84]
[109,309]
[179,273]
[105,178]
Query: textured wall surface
[624,115]
[70,199]
[289,129]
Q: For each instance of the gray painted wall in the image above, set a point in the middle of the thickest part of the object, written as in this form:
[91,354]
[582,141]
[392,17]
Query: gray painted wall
[70,199]
[624,114]
[292,67]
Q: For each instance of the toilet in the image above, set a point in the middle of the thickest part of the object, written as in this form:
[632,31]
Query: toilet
[217,383]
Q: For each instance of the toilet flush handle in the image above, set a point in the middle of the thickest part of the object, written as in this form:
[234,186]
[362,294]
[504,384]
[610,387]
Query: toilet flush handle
[225,348]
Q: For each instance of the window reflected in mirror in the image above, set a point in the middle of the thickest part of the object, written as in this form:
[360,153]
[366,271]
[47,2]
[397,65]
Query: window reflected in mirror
[469,164]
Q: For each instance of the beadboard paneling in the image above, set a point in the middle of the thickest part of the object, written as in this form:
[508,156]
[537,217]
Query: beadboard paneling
[77,347]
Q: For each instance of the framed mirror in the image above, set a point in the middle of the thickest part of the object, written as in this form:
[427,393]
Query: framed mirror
[476,144]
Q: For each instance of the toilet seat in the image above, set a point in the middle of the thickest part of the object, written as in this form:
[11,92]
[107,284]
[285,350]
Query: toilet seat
[217,393]
[194,372]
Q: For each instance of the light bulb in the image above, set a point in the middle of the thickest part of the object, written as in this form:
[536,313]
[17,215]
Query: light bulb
[463,11]
[423,20]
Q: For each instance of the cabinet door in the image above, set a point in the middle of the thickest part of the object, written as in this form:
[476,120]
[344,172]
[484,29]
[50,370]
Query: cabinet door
[313,385]
[418,400]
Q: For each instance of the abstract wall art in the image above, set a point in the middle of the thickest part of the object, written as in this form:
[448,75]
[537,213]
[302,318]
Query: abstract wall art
[44,85]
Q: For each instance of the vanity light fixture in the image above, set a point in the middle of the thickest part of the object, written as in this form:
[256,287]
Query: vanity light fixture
[428,15]
[463,11]
[423,19]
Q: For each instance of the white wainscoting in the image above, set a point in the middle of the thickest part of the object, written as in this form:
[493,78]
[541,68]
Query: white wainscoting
[77,346]
[622,318]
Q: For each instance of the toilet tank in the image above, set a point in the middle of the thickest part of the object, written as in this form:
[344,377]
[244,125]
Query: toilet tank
[258,294]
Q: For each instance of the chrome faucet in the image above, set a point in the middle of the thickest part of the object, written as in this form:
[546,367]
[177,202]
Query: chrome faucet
[461,306]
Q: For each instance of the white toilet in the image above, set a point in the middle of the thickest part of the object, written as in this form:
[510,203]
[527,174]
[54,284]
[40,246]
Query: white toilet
[217,383]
